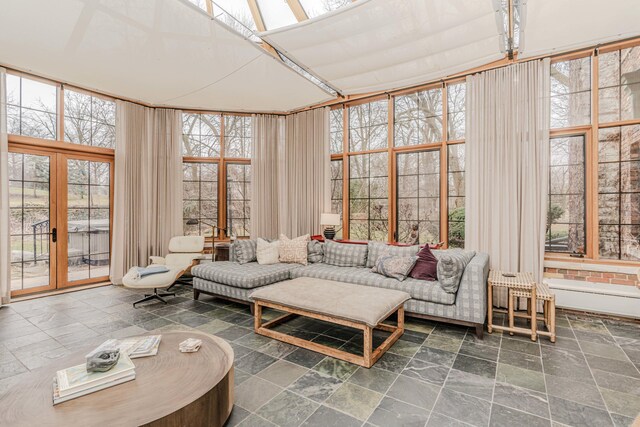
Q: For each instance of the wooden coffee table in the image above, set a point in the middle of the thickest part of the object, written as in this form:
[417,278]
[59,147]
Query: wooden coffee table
[170,389]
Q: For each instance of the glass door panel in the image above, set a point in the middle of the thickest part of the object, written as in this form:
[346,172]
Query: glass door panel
[32,221]
[87,225]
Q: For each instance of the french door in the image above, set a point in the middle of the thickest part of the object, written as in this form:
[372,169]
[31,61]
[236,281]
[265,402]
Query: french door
[60,209]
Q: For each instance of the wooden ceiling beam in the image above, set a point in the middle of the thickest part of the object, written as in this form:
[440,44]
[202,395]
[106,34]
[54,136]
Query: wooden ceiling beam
[298,10]
[257,16]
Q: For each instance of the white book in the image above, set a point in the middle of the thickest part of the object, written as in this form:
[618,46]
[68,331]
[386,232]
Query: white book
[141,346]
[76,378]
[59,399]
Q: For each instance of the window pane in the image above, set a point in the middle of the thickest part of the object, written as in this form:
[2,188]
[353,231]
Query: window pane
[418,118]
[368,126]
[337,130]
[200,197]
[418,192]
[566,209]
[31,108]
[238,199]
[237,136]
[456,194]
[619,81]
[456,98]
[571,93]
[336,190]
[619,192]
[201,135]
[368,197]
[89,120]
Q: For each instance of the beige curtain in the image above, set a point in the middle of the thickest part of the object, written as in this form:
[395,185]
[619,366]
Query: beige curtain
[507,161]
[5,240]
[148,185]
[267,144]
[306,180]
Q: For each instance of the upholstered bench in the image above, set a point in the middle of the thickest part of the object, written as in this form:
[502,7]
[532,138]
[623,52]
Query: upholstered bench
[355,306]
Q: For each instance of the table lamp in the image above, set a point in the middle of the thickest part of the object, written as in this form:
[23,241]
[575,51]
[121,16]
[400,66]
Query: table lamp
[329,221]
[194,221]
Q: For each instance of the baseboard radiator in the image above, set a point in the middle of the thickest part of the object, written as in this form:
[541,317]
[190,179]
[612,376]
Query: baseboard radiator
[602,298]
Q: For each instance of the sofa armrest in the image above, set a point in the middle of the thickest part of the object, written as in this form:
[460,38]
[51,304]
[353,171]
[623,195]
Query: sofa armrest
[471,299]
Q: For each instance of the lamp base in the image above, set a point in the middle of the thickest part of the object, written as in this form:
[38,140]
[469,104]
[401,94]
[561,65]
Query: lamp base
[329,233]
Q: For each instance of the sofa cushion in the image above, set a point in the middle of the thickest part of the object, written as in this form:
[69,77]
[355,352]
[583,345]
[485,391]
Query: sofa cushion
[451,266]
[249,275]
[245,250]
[345,254]
[315,251]
[418,289]
[375,249]
[396,267]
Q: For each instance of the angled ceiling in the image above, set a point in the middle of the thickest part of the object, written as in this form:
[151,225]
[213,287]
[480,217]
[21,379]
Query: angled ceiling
[550,26]
[385,44]
[161,52]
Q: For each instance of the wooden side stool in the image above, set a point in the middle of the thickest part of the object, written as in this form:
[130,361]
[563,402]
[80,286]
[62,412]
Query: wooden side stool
[544,294]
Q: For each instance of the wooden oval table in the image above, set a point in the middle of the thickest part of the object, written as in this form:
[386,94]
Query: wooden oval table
[170,389]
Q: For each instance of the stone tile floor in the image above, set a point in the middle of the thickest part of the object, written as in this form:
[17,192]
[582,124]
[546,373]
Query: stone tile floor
[436,375]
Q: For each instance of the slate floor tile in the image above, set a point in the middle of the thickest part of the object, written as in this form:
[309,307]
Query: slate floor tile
[356,401]
[501,416]
[463,407]
[288,409]
[476,366]
[325,416]
[315,386]
[575,414]
[373,378]
[521,399]
[282,373]
[392,412]
[413,391]
[254,392]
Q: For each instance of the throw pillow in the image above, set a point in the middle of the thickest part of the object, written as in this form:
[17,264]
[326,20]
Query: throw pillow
[376,249]
[397,267]
[345,254]
[245,250]
[315,251]
[426,267]
[451,266]
[267,253]
[293,251]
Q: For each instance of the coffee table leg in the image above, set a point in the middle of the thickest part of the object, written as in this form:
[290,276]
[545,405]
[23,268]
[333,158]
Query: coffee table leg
[257,316]
[490,307]
[510,310]
[368,344]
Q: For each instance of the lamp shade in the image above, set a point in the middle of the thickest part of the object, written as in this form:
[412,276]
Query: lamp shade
[329,219]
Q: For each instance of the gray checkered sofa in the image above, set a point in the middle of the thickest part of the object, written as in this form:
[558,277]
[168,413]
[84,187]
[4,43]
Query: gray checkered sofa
[231,280]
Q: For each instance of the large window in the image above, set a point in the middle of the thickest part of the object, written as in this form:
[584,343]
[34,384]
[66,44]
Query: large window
[619,193]
[368,125]
[456,193]
[418,189]
[456,98]
[336,190]
[368,197]
[566,203]
[31,108]
[238,199]
[89,120]
[571,93]
[200,197]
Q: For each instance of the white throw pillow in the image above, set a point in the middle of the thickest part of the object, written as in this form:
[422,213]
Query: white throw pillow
[267,253]
[293,250]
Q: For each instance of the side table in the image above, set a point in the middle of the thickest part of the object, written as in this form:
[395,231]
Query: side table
[544,294]
[522,282]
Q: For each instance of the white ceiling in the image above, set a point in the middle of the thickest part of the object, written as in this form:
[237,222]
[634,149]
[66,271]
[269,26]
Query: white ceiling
[561,25]
[162,52]
[385,44]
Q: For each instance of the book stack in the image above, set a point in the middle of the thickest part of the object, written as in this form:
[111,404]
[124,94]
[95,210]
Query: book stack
[142,346]
[74,382]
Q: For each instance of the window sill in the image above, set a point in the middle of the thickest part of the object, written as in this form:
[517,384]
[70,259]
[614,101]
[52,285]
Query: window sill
[605,266]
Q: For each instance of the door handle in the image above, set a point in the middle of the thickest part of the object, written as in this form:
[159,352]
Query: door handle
[54,235]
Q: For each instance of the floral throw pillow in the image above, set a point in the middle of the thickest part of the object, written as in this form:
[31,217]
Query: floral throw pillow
[397,267]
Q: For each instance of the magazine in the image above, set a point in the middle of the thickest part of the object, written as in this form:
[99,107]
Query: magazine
[76,378]
[141,346]
[59,399]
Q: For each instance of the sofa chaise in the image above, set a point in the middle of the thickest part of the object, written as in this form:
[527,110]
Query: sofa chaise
[236,279]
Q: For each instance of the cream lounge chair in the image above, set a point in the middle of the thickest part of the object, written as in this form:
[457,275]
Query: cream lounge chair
[184,253]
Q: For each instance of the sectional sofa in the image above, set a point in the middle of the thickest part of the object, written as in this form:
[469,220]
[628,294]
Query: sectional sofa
[235,281]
